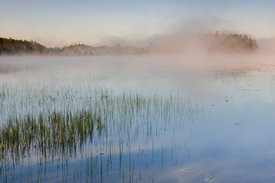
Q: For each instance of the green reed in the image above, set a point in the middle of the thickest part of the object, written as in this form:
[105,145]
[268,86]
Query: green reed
[58,131]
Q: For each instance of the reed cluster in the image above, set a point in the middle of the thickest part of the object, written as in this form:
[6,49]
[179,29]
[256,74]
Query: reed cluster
[58,132]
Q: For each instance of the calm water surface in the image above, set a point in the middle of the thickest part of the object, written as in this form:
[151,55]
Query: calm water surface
[218,125]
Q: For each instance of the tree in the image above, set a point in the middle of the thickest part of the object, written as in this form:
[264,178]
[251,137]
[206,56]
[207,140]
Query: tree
[250,43]
[232,42]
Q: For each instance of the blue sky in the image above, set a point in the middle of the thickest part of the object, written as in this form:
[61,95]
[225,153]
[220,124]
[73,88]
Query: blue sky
[64,22]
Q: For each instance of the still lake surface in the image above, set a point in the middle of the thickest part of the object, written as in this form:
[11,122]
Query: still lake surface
[164,120]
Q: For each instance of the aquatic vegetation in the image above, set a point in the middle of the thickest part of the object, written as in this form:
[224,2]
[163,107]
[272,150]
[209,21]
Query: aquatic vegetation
[209,179]
[54,133]
[87,127]
[53,124]
[240,72]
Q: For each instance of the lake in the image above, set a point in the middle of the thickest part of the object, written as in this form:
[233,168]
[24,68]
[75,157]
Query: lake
[137,119]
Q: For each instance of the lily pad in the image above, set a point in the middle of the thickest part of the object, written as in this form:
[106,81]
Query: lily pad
[209,179]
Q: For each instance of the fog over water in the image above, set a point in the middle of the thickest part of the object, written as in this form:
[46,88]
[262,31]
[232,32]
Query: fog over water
[193,76]
[162,72]
[227,137]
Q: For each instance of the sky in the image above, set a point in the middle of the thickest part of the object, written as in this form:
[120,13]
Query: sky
[108,22]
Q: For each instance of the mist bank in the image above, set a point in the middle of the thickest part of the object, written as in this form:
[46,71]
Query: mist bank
[176,44]
[136,64]
[208,43]
[187,73]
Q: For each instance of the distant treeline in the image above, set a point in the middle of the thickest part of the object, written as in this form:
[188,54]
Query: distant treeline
[12,46]
[230,42]
[214,43]
[19,47]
